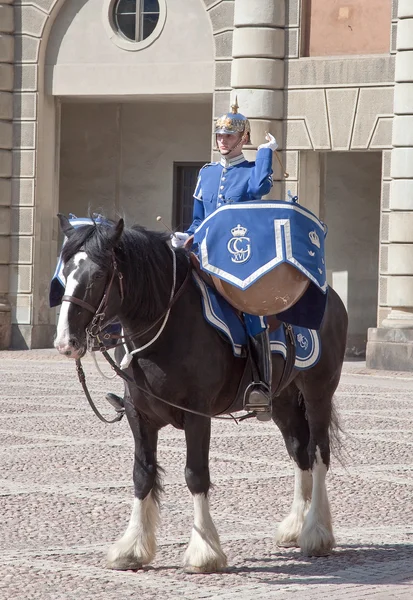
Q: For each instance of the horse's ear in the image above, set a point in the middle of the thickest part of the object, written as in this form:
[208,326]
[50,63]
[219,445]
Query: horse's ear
[117,232]
[65,225]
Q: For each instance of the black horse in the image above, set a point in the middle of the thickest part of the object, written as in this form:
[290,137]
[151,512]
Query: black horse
[132,273]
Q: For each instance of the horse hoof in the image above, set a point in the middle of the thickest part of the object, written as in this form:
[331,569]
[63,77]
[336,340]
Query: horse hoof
[288,544]
[203,570]
[288,533]
[320,545]
[316,553]
[124,564]
[195,570]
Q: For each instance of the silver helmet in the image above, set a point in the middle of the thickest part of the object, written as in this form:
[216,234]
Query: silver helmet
[234,122]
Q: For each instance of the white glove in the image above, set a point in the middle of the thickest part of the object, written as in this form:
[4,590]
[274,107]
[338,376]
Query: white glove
[179,239]
[272,143]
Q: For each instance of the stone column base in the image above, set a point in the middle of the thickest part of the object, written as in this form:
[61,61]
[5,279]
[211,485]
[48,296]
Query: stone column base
[30,337]
[390,349]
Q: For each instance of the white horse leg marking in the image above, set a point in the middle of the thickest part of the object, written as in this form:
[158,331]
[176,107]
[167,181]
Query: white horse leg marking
[63,334]
[290,528]
[137,546]
[204,553]
[317,537]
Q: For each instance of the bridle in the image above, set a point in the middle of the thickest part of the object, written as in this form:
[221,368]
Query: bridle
[97,323]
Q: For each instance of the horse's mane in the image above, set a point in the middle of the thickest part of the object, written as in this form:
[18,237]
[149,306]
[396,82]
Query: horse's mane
[143,258]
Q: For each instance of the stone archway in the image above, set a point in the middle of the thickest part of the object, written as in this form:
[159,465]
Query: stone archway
[34,196]
[33,171]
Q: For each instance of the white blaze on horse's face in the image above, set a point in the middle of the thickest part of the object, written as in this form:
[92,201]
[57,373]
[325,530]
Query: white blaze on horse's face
[63,341]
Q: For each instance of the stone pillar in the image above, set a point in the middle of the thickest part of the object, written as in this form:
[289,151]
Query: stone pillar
[221,14]
[390,346]
[34,179]
[258,72]
[6,116]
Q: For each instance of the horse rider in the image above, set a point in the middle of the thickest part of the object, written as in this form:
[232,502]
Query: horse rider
[235,179]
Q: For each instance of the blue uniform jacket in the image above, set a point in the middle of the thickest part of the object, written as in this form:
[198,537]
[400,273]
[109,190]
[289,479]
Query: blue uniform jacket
[235,180]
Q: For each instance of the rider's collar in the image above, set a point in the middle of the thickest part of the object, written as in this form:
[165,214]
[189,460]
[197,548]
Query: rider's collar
[231,162]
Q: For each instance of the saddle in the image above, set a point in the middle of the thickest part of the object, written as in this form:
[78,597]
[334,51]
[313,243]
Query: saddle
[272,321]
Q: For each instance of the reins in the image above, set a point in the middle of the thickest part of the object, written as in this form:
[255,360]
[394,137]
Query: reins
[94,330]
[288,367]
[82,378]
[130,380]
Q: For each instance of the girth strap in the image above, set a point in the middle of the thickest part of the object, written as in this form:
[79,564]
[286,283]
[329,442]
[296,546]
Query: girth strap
[289,359]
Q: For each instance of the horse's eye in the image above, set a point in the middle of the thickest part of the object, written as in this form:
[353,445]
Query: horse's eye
[98,275]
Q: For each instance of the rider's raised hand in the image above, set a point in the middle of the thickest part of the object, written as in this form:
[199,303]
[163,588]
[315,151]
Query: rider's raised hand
[271,144]
[178,239]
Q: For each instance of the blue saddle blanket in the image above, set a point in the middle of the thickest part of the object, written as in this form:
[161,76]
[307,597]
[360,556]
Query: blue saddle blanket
[220,314]
[241,242]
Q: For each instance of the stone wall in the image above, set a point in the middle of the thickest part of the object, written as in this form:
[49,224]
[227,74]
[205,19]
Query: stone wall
[334,104]
[342,27]
[86,57]
[116,158]
[221,13]
[310,104]
[258,72]
[390,345]
[6,116]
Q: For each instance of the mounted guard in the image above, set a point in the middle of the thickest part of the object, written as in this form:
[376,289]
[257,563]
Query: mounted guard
[242,241]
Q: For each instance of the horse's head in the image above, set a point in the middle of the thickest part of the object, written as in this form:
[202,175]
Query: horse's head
[93,284]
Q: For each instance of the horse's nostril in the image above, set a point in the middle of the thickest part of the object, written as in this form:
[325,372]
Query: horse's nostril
[68,352]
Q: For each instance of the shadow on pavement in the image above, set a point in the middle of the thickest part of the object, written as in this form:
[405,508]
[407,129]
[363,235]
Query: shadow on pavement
[368,564]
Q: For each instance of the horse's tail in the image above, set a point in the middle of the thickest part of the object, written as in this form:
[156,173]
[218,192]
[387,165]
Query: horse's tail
[337,433]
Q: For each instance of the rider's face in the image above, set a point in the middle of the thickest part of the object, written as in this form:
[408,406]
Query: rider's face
[229,144]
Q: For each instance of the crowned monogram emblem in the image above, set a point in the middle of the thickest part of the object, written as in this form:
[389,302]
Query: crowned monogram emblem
[314,239]
[225,122]
[239,245]
[302,340]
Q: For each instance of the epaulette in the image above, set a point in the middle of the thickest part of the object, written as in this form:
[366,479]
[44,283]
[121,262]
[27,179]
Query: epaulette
[211,164]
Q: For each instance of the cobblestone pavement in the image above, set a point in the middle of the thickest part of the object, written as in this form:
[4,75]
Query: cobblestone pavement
[66,492]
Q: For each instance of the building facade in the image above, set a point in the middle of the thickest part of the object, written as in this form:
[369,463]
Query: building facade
[107,105]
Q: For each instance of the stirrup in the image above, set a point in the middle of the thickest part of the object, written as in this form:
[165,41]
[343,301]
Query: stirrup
[116,402]
[257,399]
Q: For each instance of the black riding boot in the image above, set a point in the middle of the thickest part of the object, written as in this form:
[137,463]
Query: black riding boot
[258,394]
[116,401]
